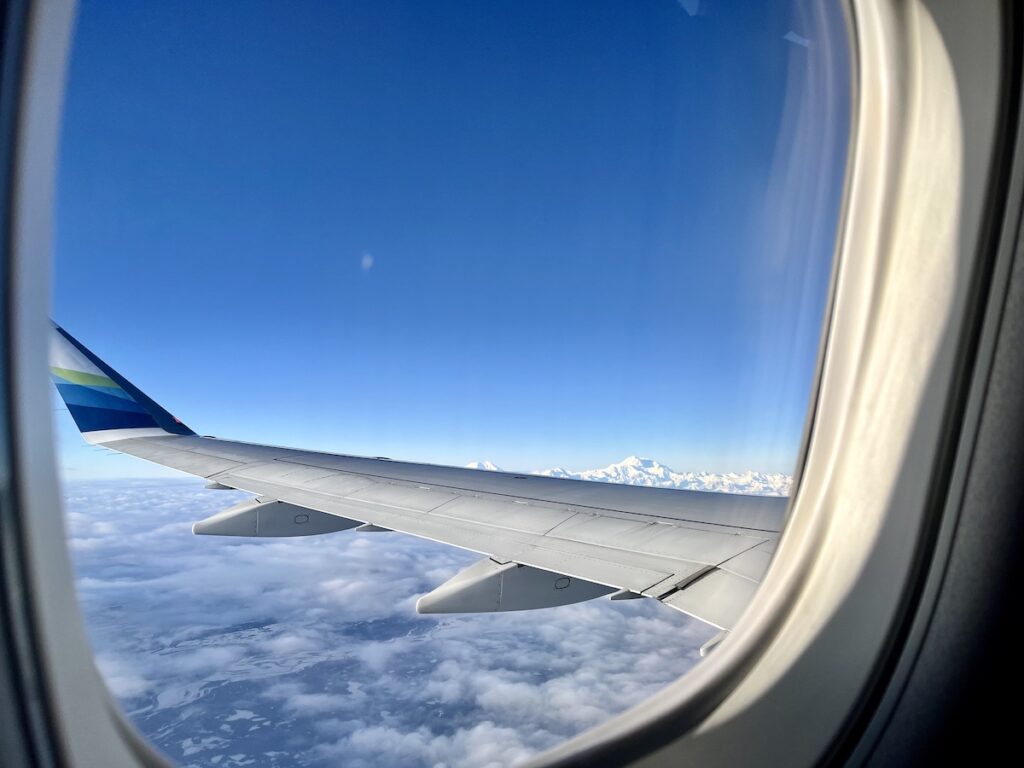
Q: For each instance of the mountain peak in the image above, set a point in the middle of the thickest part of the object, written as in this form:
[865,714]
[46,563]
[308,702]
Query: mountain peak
[638,470]
[637,461]
[489,466]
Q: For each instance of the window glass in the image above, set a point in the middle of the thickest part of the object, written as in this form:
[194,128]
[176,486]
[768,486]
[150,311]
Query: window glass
[586,239]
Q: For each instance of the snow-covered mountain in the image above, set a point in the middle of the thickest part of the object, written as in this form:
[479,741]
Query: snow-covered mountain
[635,470]
[490,466]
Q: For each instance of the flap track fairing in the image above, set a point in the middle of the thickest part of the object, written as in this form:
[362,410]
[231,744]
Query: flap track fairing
[271,518]
[491,586]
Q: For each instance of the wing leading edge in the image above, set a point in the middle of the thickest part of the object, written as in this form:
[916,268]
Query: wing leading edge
[546,541]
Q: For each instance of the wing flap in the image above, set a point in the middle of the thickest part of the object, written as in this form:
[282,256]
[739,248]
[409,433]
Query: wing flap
[751,564]
[719,598]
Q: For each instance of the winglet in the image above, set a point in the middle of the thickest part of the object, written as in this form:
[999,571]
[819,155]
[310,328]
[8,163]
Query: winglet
[104,405]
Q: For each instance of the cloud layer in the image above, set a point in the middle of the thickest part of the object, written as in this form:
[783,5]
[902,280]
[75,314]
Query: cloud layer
[307,652]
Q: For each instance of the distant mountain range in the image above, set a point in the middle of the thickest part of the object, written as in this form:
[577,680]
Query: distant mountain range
[635,470]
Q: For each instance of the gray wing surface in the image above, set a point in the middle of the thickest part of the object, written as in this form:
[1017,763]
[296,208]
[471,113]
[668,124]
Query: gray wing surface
[701,553]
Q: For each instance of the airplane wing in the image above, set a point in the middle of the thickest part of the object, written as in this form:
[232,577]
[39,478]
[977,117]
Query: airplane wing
[546,541]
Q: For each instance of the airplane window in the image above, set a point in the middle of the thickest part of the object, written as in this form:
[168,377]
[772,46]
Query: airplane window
[567,264]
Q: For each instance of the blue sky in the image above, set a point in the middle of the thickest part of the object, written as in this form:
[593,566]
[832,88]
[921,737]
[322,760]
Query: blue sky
[536,233]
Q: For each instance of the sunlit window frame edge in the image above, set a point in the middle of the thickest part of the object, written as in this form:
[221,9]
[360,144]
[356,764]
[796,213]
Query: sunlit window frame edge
[759,698]
[84,724]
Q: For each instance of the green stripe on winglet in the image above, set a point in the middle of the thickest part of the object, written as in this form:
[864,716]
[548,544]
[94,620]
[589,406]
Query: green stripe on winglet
[88,379]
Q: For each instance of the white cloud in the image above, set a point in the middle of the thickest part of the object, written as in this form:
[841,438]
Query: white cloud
[317,639]
[205,659]
[122,678]
[290,643]
[377,656]
[315,703]
[485,745]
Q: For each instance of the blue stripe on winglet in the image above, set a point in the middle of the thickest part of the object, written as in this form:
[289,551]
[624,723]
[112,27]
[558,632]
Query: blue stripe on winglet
[94,411]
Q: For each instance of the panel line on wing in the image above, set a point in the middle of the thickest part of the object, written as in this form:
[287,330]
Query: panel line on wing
[534,498]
